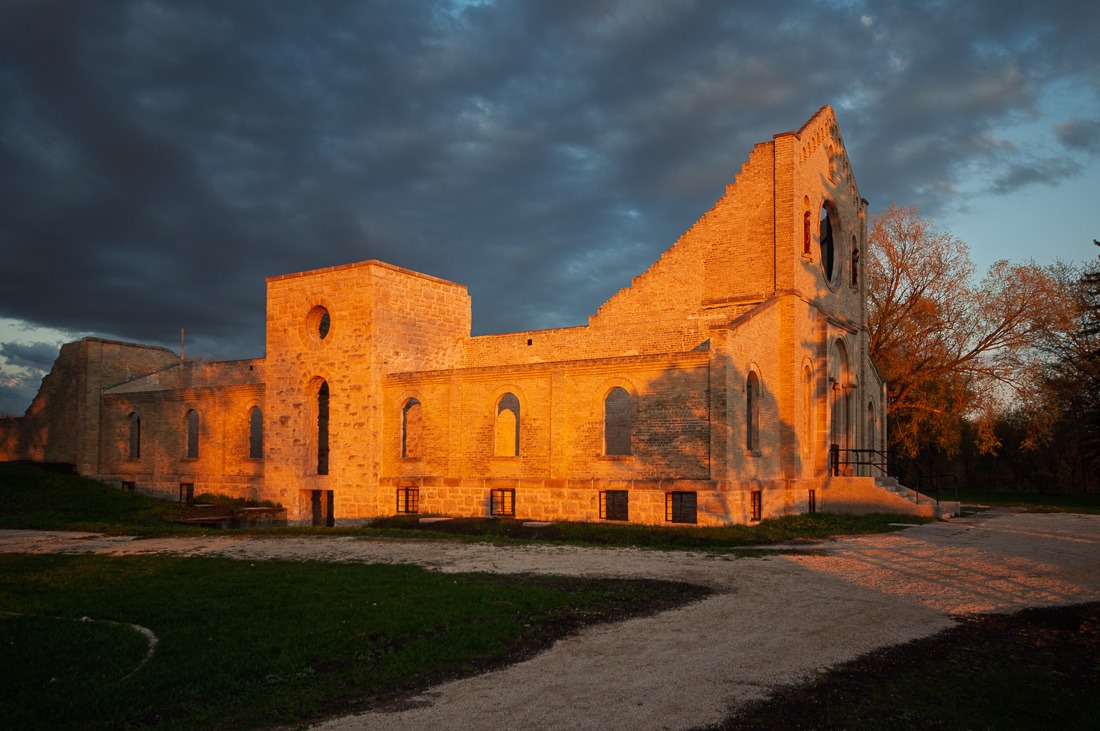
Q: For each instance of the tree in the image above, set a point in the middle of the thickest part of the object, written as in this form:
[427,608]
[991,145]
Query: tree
[947,347]
[1072,380]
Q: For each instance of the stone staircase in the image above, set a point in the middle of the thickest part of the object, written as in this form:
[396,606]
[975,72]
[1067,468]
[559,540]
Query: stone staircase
[943,510]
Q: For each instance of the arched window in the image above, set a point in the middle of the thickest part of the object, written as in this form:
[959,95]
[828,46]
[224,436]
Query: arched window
[255,434]
[192,420]
[507,426]
[825,230]
[322,428]
[872,435]
[135,436]
[411,428]
[616,422]
[807,408]
[752,412]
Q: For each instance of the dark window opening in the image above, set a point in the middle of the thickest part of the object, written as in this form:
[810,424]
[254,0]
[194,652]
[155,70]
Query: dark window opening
[616,422]
[255,434]
[752,412]
[135,436]
[681,507]
[855,263]
[408,500]
[187,492]
[811,503]
[411,427]
[502,502]
[192,434]
[127,486]
[323,324]
[827,245]
[756,505]
[614,505]
[322,429]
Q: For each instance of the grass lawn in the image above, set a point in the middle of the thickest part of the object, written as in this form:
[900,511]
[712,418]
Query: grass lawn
[252,644]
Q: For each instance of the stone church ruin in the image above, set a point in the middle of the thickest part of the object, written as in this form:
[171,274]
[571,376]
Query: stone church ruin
[711,391]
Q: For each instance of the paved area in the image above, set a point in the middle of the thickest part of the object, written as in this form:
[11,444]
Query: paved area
[775,619]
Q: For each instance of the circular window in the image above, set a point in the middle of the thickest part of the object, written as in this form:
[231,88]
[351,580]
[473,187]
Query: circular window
[828,247]
[319,322]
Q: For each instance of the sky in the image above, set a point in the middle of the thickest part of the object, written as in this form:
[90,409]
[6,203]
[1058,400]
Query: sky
[158,160]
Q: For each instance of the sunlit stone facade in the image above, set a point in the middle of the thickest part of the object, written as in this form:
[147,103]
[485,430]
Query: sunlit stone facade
[709,391]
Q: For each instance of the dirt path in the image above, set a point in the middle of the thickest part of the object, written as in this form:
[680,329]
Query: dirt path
[774,621]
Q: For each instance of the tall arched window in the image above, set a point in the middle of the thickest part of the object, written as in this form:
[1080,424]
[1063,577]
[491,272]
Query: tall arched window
[828,248]
[135,436]
[872,431]
[507,426]
[255,434]
[616,422]
[192,420]
[411,428]
[322,428]
[752,412]
[807,408]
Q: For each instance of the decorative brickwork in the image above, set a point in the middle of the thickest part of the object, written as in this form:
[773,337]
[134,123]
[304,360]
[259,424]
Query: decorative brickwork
[707,392]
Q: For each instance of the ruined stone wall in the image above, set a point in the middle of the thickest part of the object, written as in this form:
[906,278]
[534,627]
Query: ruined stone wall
[62,423]
[222,395]
[380,318]
[561,420]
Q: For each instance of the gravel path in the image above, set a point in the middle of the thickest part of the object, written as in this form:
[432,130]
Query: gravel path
[775,620]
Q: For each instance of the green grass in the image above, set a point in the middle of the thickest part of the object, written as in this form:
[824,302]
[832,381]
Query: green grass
[1035,502]
[33,497]
[255,644]
[792,528]
[1036,669]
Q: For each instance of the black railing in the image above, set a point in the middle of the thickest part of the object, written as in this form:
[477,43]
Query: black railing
[882,463]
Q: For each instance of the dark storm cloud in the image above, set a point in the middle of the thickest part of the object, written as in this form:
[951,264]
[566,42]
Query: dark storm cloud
[158,160]
[39,356]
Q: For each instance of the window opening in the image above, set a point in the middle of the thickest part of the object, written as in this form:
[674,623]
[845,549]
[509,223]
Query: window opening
[756,501]
[614,505]
[616,422]
[408,500]
[502,502]
[507,426]
[187,492]
[411,427]
[135,436]
[752,412]
[192,434]
[681,507]
[811,502]
[855,262]
[322,428]
[808,408]
[827,246]
[255,434]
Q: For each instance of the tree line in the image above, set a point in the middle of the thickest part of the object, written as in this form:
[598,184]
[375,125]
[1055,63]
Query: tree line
[994,379]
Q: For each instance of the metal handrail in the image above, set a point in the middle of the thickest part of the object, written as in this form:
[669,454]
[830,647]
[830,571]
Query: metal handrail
[889,464]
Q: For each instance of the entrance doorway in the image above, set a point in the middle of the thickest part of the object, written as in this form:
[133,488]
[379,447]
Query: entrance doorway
[321,502]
